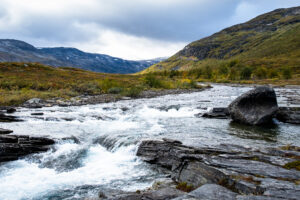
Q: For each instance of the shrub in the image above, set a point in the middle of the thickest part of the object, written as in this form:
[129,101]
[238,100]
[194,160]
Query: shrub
[246,73]
[273,73]
[223,70]
[115,90]
[233,74]
[133,92]
[261,73]
[208,72]
[106,84]
[287,73]
[152,81]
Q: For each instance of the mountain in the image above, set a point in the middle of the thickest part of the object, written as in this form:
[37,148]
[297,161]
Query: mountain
[19,51]
[271,41]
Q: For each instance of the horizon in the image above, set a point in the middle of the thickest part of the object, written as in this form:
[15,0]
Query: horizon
[133,30]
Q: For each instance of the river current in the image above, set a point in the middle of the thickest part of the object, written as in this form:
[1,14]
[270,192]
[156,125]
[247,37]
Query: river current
[96,144]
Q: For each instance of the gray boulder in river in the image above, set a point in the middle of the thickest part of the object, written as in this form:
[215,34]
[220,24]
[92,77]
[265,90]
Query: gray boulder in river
[256,107]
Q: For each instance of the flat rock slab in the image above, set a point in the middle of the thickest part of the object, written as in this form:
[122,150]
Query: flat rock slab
[218,113]
[251,173]
[8,118]
[210,192]
[13,147]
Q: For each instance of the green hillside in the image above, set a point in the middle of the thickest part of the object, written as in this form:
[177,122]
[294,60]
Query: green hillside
[266,47]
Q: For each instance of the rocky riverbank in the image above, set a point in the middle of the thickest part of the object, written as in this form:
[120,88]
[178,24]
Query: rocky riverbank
[103,98]
[226,171]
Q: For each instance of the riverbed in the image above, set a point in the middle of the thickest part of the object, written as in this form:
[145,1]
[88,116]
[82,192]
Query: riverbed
[96,144]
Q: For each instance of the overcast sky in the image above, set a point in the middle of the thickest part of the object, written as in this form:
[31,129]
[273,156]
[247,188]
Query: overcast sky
[130,29]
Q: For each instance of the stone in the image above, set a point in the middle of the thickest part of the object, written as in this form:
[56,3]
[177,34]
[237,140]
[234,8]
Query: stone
[34,103]
[13,147]
[5,131]
[37,114]
[210,192]
[219,113]
[9,118]
[256,107]
[289,115]
[11,110]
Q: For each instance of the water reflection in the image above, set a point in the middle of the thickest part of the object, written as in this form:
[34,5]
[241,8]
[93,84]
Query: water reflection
[267,132]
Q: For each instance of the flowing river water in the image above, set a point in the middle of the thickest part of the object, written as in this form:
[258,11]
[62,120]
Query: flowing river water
[96,144]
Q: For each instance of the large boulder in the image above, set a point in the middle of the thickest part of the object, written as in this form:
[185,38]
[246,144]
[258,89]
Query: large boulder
[256,107]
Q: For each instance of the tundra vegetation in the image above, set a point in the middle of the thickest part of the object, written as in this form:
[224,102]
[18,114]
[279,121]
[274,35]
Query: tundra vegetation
[22,81]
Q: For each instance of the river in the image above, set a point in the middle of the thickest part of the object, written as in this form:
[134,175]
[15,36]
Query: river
[96,144]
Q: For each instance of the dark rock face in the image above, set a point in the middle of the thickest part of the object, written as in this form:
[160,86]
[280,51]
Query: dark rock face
[289,115]
[5,131]
[8,118]
[11,110]
[219,113]
[226,171]
[255,107]
[12,147]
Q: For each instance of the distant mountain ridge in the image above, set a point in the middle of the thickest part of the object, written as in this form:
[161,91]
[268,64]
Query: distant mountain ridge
[271,39]
[19,51]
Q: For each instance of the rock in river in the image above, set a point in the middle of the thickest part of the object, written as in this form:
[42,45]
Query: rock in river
[5,131]
[256,107]
[289,115]
[219,113]
[12,147]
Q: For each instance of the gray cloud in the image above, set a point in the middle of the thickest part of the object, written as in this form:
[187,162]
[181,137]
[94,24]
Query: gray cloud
[87,23]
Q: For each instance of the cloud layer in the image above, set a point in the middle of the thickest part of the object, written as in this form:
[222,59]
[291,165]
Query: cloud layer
[132,29]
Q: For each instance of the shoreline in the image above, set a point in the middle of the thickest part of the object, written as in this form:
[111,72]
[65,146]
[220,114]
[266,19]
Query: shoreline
[98,99]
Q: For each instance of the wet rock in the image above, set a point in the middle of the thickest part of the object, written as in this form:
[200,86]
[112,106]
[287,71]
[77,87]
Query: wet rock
[12,147]
[9,118]
[209,192]
[255,107]
[124,109]
[289,115]
[72,138]
[167,108]
[5,131]
[11,110]
[219,113]
[165,193]
[242,170]
[37,114]
[34,103]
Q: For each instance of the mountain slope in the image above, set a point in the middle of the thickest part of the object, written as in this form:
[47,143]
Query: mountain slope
[269,40]
[18,51]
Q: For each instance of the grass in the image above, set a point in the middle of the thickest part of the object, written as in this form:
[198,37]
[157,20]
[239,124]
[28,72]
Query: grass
[22,81]
[293,165]
[183,186]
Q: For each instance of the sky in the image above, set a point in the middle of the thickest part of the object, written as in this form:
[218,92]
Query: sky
[129,29]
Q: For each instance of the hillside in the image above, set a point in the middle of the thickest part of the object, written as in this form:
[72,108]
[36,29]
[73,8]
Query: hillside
[19,51]
[267,46]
